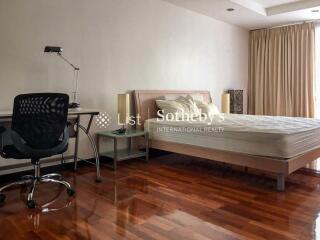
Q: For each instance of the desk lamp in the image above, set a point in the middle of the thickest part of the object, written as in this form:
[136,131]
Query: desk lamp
[123,112]
[225,103]
[58,51]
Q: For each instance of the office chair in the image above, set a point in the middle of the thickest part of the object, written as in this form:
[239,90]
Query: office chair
[39,130]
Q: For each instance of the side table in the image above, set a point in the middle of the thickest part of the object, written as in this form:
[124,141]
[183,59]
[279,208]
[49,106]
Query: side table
[125,154]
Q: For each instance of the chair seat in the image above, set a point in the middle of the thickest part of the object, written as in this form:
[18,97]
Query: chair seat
[10,151]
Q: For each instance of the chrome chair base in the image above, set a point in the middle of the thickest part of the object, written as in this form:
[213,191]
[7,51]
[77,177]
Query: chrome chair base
[33,181]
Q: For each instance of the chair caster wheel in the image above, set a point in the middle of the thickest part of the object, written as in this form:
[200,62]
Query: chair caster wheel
[98,180]
[2,198]
[71,192]
[31,204]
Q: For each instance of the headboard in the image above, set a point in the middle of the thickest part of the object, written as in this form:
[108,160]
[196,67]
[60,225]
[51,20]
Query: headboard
[145,101]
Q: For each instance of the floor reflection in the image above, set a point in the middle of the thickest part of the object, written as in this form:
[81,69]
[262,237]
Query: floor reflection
[167,199]
[315,165]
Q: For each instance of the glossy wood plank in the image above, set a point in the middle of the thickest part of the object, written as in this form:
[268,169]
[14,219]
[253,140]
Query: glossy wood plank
[172,197]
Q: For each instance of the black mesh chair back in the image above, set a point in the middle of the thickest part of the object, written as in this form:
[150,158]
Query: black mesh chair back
[40,118]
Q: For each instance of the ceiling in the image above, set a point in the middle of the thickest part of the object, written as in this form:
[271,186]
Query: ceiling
[271,3]
[254,14]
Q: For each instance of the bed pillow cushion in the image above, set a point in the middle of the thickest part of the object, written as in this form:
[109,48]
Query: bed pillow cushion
[197,97]
[171,107]
[211,111]
[190,106]
[208,108]
[172,97]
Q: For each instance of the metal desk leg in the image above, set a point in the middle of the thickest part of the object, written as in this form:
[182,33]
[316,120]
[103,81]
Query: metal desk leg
[98,152]
[115,153]
[98,144]
[76,147]
[95,151]
[129,145]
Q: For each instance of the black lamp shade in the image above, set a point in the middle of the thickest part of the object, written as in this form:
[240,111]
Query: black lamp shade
[52,49]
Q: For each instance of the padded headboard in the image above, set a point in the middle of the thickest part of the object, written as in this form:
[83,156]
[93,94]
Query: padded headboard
[145,101]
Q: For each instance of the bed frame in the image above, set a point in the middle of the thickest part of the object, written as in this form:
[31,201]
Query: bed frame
[146,108]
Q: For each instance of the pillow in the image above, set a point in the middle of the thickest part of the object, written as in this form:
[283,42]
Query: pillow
[208,108]
[183,108]
[161,98]
[171,107]
[211,112]
[196,97]
[190,106]
[171,97]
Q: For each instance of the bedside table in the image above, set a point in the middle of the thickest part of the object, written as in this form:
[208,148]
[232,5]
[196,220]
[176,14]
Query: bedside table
[125,154]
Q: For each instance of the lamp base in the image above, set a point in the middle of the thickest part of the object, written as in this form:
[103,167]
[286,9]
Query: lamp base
[74,105]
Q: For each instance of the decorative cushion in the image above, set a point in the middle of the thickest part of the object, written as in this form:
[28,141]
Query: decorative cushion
[171,107]
[208,109]
[197,97]
[190,106]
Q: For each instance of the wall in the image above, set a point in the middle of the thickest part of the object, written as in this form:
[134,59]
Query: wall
[120,45]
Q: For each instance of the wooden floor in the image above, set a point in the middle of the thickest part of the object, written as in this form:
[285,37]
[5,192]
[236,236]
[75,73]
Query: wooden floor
[172,197]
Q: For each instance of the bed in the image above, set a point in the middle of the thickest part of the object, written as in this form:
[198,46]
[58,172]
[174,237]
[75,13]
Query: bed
[279,145]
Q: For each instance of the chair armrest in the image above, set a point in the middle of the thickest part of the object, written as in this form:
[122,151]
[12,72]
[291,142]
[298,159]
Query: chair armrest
[2,129]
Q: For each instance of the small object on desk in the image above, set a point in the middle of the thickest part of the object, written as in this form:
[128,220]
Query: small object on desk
[74,105]
[129,153]
[120,131]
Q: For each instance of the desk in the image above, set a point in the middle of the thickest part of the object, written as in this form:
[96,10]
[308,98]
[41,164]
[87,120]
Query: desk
[75,127]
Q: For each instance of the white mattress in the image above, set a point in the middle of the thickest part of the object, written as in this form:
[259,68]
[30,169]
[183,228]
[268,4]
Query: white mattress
[281,137]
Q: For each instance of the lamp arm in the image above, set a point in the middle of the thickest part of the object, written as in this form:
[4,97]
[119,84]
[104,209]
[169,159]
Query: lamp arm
[67,61]
[75,79]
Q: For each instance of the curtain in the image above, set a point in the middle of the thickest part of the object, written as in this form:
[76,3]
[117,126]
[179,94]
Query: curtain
[282,71]
[317,66]
[315,165]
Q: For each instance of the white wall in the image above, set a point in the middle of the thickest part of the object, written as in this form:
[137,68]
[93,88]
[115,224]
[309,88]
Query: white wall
[120,45]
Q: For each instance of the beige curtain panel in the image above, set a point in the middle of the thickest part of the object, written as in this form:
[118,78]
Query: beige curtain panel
[282,71]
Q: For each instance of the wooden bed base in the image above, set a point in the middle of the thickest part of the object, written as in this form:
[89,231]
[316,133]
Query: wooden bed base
[282,167]
[146,108]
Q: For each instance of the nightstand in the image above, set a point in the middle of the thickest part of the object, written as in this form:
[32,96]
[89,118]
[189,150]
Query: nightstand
[124,154]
